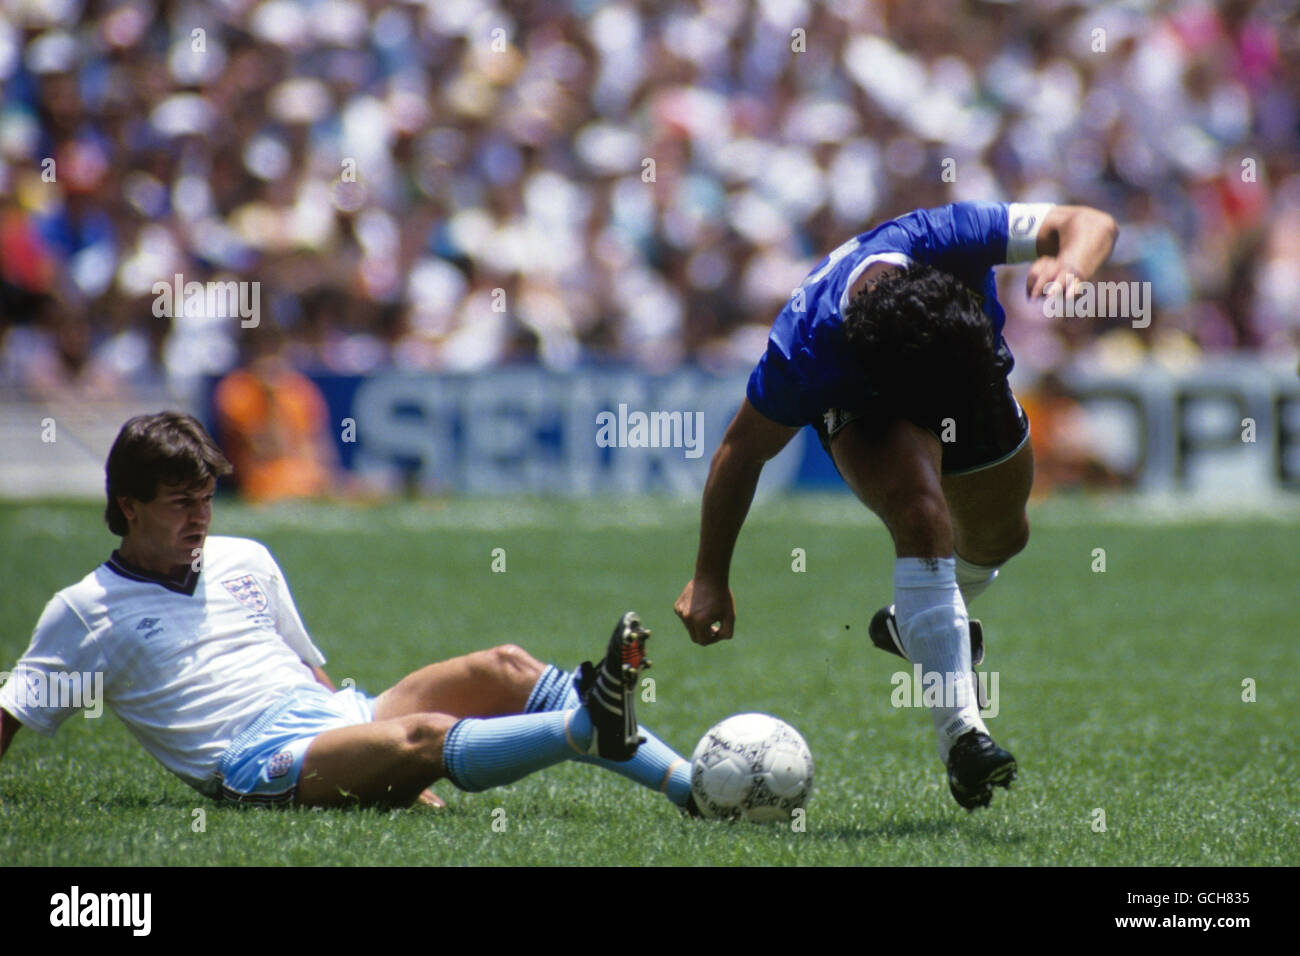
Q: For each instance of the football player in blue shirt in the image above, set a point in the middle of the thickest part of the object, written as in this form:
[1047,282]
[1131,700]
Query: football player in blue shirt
[892,350]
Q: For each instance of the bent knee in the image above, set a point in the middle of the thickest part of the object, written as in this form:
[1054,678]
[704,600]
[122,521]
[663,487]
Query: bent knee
[1015,540]
[995,549]
[512,663]
[1021,540]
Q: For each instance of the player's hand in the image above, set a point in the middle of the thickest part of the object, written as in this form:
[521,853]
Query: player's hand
[430,799]
[708,610]
[1051,269]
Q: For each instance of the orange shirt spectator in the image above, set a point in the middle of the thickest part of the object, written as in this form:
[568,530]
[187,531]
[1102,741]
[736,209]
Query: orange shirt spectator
[273,426]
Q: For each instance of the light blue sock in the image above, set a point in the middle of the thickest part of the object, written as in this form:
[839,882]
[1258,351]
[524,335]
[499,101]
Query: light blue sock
[552,692]
[656,765]
[482,753]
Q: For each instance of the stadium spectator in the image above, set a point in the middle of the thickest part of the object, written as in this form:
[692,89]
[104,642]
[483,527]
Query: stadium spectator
[273,424]
[651,179]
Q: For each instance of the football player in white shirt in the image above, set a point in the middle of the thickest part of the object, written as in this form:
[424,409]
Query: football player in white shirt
[200,651]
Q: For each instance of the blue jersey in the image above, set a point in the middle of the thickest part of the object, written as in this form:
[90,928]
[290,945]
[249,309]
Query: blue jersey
[807,368]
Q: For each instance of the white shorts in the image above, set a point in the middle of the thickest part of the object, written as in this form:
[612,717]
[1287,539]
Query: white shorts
[262,764]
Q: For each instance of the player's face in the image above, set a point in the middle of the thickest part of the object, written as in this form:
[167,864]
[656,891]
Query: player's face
[168,532]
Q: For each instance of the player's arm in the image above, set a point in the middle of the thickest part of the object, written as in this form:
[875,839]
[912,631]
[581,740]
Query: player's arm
[288,624]
[705,605]
[1073,243]
[8,728]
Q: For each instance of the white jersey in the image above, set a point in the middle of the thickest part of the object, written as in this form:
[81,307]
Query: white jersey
[186,666]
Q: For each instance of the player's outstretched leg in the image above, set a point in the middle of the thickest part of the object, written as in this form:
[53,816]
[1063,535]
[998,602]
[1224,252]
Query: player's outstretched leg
[486,753]
[655,765]
[390,761]
[609,691]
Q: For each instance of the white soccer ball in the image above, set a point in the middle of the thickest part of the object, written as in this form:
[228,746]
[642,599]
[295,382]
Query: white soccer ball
[753,767]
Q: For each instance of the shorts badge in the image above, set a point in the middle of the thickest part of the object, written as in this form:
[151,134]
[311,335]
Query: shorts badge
[279,764]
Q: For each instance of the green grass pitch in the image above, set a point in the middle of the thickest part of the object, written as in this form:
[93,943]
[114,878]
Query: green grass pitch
[1120,692]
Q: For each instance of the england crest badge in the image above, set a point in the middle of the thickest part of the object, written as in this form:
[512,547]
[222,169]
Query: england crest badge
[246,591]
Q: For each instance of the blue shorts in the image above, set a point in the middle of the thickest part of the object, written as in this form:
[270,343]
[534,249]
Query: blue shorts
[261,766]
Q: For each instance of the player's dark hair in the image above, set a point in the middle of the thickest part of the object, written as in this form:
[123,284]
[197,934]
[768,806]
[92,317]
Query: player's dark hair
[169,448]
[924,342]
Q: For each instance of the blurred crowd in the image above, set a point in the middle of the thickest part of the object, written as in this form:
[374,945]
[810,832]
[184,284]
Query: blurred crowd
[453,184]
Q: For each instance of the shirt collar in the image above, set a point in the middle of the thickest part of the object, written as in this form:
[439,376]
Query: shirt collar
[186,585]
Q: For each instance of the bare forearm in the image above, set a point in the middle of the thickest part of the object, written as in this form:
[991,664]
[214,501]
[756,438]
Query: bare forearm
[1073,244]
[728,493]
[322,678]
[1086,239]
[706,605]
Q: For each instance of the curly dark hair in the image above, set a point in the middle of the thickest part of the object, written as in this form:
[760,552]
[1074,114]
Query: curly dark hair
[170,448]
[924,342]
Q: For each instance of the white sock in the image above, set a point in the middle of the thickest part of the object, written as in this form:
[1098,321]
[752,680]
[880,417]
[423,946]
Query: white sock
[974,579]
[935,632]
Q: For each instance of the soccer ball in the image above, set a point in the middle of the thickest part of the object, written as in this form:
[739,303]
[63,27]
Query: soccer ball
[753,767]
